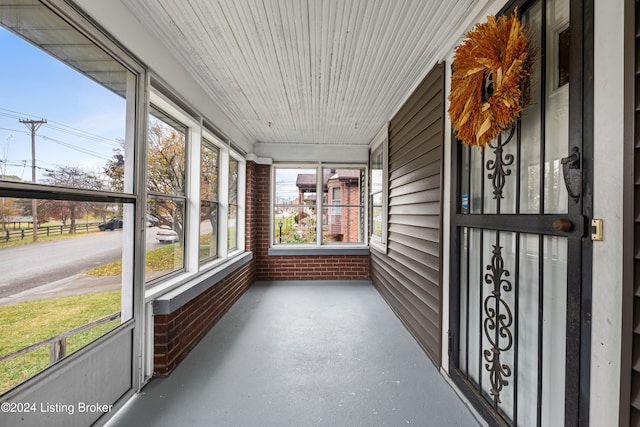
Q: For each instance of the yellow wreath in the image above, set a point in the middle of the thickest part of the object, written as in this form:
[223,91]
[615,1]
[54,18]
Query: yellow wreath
[497,50]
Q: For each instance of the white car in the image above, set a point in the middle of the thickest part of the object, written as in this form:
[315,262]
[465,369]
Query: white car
[165,235]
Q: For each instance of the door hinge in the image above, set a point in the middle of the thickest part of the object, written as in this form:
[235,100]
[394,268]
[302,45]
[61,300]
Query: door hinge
[597,230]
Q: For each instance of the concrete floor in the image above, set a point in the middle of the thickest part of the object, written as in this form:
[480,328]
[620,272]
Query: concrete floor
[302,354]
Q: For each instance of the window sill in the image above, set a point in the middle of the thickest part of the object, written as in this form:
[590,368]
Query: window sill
[323,250]
[169,297]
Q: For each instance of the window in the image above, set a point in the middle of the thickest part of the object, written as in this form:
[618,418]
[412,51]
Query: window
[232,213]
[377,191]
[64,125]
[209,170]
[300,216]
[195,197]
[166,195]
[344,220]
[295,205]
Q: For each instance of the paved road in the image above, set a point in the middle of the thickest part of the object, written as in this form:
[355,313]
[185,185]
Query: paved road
[28,266]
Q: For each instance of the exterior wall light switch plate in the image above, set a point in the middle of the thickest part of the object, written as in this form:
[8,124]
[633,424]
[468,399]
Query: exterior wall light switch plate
[597,226]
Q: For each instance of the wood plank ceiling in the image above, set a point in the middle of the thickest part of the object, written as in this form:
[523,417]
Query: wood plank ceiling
[305,71]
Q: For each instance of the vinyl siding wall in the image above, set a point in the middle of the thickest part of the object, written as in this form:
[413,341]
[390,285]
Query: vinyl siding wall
[409,275]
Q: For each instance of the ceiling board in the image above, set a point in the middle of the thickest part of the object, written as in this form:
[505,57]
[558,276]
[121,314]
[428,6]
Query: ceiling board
[304,71]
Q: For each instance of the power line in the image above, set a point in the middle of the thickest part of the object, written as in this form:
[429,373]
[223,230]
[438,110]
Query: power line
[61,127]
[66,144]
[33,126]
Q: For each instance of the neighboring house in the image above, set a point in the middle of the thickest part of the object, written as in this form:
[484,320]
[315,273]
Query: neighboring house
[520,284]
[341,193]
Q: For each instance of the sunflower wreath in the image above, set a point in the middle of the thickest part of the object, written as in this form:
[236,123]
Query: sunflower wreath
[488,70]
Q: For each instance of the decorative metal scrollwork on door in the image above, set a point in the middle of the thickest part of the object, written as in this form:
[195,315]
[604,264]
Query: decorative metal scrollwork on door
[497,323]
[499,164]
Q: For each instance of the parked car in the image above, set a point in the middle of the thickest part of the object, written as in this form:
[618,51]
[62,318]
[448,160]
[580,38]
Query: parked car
[152,221]
[112,224]
[166,235]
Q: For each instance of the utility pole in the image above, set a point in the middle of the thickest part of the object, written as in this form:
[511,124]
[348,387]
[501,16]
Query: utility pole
[33,126]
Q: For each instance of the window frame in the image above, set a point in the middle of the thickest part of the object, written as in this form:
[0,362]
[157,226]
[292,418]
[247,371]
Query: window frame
[131,309]
[208,144]
[319,206]
[198,134]
[192,138]
[381,141]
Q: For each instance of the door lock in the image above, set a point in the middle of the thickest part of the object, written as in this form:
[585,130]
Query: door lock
[572,174]
[597,226]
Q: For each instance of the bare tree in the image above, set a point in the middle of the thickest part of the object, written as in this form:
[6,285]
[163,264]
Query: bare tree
[75,177]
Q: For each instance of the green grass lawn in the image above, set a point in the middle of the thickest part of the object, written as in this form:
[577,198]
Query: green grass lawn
[166,257]
[27,323]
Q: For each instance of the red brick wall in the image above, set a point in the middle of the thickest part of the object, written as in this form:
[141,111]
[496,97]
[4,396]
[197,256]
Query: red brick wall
[250,214]
[311,267]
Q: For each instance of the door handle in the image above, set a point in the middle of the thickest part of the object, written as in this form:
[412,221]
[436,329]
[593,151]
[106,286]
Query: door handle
[562,224]
[572,174]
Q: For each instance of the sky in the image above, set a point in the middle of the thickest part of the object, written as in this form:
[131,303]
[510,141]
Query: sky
[84,119]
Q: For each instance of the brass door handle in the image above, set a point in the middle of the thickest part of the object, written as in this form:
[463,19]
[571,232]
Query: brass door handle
[562,224]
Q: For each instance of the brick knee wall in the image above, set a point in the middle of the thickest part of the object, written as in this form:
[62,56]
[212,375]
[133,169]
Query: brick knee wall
[177,333]
[313,267]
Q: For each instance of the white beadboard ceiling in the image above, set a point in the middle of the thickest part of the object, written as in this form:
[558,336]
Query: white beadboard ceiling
[305,71]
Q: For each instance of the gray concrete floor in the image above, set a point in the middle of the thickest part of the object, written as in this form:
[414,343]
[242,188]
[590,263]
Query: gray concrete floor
[302,354]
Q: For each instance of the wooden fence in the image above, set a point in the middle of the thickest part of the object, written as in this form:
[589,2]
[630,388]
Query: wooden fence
[58,344]
[49,230]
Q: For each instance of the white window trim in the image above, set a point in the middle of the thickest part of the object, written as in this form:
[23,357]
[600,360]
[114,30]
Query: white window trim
[195,271]
[242,191]
[318,247]
[382,139]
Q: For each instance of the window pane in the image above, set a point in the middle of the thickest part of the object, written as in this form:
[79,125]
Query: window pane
[343,221]
[60,123]
[295,186]
[342,224]
[295,224]
[208,230]
[233,181]
[376,214]
[232,227]
[165,242]
[209,173]
[70,277]
[376,170]
[166,155]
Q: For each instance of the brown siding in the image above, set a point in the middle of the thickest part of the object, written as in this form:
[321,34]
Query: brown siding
[409,275]
[634,416]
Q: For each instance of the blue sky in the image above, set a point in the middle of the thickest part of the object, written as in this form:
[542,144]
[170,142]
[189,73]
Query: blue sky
[34,85]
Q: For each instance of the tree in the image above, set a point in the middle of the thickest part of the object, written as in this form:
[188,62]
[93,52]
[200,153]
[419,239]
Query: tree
[8,209]
[166,174]
[70,210]
[166,160]
[114,169]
